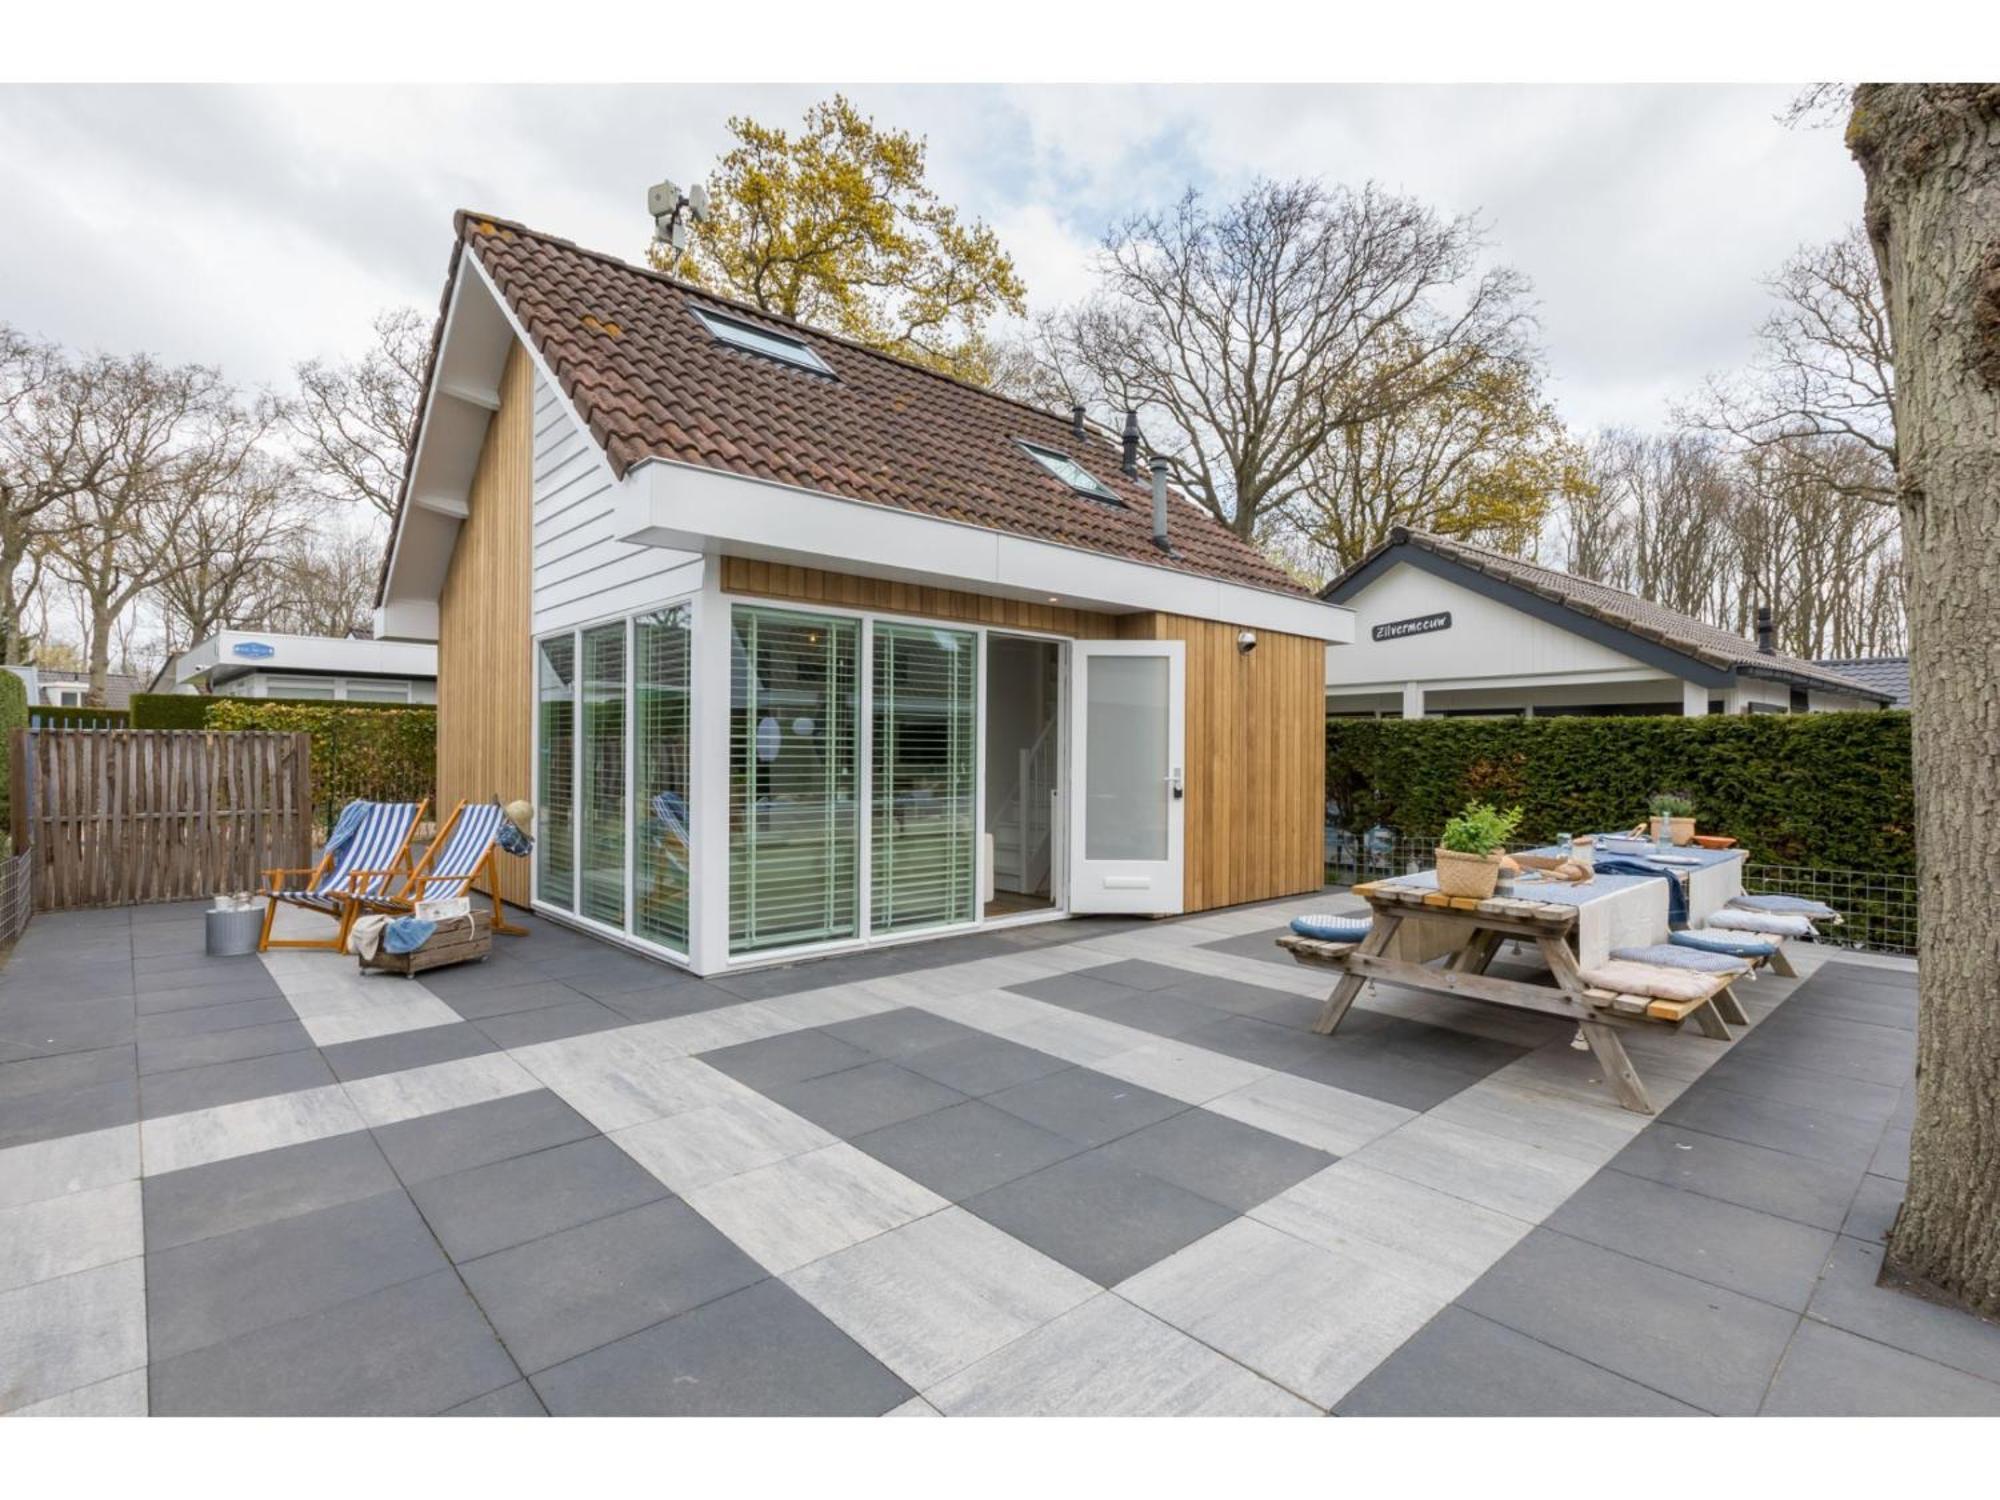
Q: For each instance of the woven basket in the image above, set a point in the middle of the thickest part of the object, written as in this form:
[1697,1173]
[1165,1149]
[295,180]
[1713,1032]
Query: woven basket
[1472,875]
[1680,831]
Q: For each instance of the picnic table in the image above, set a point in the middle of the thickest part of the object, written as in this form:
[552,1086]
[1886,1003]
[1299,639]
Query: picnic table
[1573,927]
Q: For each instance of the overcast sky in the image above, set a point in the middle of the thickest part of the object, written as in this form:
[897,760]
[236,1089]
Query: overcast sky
[254,227]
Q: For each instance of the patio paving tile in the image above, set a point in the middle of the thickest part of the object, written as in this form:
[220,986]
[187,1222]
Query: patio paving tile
[1796,1129]
[1688,1339]
[58,1236]
[1463,1365]
[1793,1187]
[68,1070]
[215,1289]
[857,1100]
[1874,1210]
[979,1065]
[474,1135]
[483,1209]
[1776,1083]
[60,1112]
[616,1079]
[222,1197]
[1829,1372]
[1315,1114]
[1078,991]
[73,1331]
[1085,1106]
[201,1019]
[120,1396]
[1107,1358]
[516,1400]
[939,1293]
[965,1149]
[68,1164]
[476,1002]
[74,1026]
[399,1050]
[897,1033]
[215,992]
[1150,1011]
[1507,1175]
[1098,1217]
[763,1351]
[1262,946]
[1181,1070]
[555,1298]
[1848,1298]
[1892,1156]
[221,1083]
[718,1141]
[1758,1254]
[1222,1160]
[792,1212]
[412,1349]
[389,1097]
[1138,974]
[524,1028]
[234,1044]
[792,1057]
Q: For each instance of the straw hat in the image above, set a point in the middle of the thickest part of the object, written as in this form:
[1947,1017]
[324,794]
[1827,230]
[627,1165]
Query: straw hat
[521,814]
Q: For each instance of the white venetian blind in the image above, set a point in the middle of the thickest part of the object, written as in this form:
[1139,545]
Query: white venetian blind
[924,777]
[555,791]
[603,848]
[661,754]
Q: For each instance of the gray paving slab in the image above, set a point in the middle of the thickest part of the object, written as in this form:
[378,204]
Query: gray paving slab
[206,1018]
[965,1149]
[551,1023]
[476,1002]
[474,1135]
[483,1209]
[1775,1083]
[1793,1187]
[1829,1372]
[763,1351]
[210,1290]
[1138,974]
[1261,946]
[235,1044]
[857,1100]
[1892,1154]
[1220,1159]
[68,1070]
[792,1057]
[1085,1106]
[1688,1339]
[73,1331]
[1463,1365]
[981,1065]
[1796,1129]
[516,1400]
[1101,1219]
[198,1203]
[206,1087]
[397,1050]
[1848,1298]
[897,1033]
[1874,1210]
[74,1111]
[60,1236]
[412,1349]
[1077,991]
[259,986]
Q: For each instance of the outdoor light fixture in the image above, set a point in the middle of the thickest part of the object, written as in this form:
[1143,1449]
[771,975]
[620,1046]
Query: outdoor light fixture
[1246,641]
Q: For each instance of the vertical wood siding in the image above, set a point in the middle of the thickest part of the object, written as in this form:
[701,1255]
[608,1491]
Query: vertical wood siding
[485,699]
[742,575]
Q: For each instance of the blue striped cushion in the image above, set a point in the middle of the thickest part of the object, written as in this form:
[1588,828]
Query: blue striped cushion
[1327,928]
[1735,944]
[384,831]
[1677,956]
[1797,905]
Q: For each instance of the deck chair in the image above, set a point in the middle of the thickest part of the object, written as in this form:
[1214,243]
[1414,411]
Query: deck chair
[371,838]
[464,852]
[670,811]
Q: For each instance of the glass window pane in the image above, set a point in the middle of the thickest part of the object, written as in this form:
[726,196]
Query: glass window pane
[378,693]
[661,754]
[603,855]
[794,744]
[1125,757]
[924,862]
[555,801]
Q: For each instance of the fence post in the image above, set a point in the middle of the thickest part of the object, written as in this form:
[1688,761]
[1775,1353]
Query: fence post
[18,782]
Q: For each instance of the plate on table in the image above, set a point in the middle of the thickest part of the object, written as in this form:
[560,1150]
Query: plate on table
[1675,859]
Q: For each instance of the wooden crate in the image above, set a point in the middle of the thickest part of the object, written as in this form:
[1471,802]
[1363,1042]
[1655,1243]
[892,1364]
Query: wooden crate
[452,943]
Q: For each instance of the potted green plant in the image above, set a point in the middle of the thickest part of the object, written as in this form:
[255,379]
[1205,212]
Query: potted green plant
[1469,849]
[1677,813]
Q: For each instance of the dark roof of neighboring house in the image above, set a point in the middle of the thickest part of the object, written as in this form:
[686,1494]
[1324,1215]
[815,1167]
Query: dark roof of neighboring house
[1885,674]
[1619,609]
[650,381]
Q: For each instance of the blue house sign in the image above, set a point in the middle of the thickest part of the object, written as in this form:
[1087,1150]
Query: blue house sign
[256,649]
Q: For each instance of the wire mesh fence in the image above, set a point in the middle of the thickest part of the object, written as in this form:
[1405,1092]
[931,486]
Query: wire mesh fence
[17,890]
[1878,908]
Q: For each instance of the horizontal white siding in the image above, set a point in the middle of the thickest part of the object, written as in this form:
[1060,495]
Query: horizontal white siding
[581,571]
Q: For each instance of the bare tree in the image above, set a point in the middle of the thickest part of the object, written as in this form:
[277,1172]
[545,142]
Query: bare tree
[221,551]
[43,460]
[1249,336]
[1930,154]
[324,584]
[354,420]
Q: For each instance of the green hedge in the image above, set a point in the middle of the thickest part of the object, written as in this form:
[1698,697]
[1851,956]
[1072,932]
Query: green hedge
[13,714]
[1826,790]
[387,753]
[192,710]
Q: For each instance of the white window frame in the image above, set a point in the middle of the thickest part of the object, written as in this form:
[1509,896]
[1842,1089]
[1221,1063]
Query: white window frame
[740,333]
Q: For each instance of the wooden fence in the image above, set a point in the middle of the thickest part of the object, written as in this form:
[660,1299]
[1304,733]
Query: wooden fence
[115,816]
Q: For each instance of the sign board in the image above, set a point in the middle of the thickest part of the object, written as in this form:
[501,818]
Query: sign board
[255,649]
[1395,630]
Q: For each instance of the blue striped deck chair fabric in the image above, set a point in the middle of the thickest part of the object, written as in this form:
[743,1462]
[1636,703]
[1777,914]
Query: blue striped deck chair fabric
[670,810]
[462,853]
[368,847]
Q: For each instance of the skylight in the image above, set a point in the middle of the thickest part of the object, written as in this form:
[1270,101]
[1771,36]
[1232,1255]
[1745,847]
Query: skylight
[762,341]
[1070,472]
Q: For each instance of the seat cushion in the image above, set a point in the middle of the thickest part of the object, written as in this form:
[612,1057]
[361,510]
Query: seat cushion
[1777,923]
[1324,927]
[1803,906]
[1674,956]
[1651,980]
[1736,944]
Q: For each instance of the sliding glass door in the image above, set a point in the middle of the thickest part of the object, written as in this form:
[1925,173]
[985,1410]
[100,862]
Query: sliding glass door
[603,788]
[794,750]
[662,752]
[555,772]
[924,776]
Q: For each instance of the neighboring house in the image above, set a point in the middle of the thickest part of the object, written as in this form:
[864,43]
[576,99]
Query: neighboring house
[58,687]
[265,664]
[1886,674]
[798,647]
[1444,627]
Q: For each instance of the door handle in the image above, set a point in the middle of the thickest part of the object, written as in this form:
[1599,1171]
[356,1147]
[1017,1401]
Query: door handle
[1174,781]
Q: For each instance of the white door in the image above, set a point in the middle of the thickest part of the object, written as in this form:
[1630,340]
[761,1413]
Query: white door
[1127,780]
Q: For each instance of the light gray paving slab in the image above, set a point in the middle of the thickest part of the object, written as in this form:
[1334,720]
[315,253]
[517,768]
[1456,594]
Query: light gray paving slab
[1183,1071]
[57,1236]
[172,1142]
[1314,1114]
[1525,1181]
[389,1097]
[617,1079]
[413,1010]
[68,1164]
[120,1396]
[1590,1131]
[1829,1372]
[916,1406]
[793,1212]
[73,1331]
[1313,1320]
[718,1141]
[1108,1358]
[939,1293]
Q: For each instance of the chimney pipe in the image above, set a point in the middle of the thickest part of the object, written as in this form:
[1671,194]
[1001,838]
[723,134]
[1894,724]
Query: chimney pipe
[1766,632]
[1076,422]
[1160,503]
[1130,463]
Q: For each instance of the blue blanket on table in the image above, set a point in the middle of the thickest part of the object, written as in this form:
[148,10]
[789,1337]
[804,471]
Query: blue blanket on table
[1677,901]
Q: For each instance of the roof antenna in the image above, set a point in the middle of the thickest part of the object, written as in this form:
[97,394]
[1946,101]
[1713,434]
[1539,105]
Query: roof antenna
[1129,464]
[666,202]
[1076,421]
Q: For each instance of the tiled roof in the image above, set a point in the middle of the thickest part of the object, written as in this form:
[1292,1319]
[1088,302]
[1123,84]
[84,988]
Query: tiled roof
[650,381]
[1885,674]
[1622,609]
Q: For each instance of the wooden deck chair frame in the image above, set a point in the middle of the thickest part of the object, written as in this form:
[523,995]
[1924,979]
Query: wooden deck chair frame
[344,911]
[420,875]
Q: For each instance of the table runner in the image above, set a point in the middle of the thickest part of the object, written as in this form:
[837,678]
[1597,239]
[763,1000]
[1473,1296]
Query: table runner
[1613,911]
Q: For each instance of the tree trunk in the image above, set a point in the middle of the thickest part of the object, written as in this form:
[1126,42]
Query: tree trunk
[1931,156]
[101,625]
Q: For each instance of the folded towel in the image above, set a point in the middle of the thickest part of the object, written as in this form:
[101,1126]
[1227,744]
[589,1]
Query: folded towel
[365,936]
[1327,928]
[1802,906]
[1675,956]
[407,934]
[1649,980]
[1736,944]
[1777,923]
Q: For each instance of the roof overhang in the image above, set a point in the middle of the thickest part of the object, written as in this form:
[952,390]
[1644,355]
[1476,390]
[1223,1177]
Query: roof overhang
[663,503]
[234,652]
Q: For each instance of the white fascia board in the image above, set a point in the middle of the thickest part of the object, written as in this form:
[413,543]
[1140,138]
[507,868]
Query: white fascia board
[1501,684]
[663,503]
[314,653]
